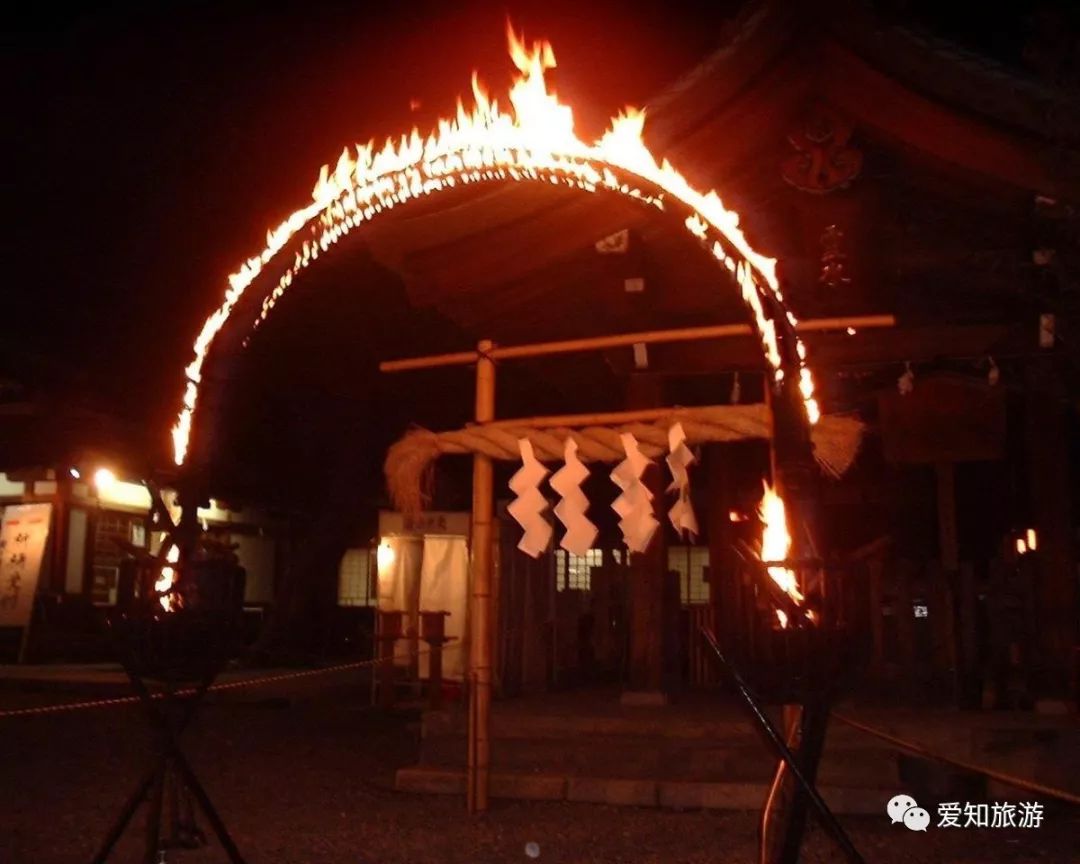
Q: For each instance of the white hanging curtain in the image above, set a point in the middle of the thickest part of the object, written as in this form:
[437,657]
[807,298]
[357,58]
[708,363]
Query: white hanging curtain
[399,590]
[444,587]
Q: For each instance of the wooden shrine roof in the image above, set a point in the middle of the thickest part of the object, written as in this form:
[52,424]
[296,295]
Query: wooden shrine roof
[936,224]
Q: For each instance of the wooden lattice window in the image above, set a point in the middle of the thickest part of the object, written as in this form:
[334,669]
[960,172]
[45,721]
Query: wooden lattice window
[691,563]
[572,571]
[356,585]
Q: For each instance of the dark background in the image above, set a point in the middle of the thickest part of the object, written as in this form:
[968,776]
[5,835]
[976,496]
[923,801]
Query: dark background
[150,146]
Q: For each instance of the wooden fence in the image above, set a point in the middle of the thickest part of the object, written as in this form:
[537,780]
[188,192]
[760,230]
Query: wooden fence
[916,633]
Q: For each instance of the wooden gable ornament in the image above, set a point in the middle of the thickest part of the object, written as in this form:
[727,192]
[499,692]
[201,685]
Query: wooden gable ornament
[824,159]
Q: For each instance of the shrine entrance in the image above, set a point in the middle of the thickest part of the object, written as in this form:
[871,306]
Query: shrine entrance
[536,146]
[589,609]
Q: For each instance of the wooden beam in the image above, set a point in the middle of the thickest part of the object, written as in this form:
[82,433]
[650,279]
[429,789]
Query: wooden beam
[600,343]
[607,418]
[828,350]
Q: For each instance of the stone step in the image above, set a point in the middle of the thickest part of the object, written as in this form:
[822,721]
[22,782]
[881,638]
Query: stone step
[673,794]
[644,757]
[633,722]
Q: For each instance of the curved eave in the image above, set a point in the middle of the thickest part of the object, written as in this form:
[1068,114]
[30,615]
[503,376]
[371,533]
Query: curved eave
[958,77]
[924,93]
[940,131]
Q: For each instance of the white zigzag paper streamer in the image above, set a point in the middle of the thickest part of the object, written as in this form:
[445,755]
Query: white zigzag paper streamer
[580,532]
[634,505]
[678,460]
[528,507]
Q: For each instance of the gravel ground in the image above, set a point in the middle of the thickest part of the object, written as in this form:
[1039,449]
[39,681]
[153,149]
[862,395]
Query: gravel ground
[311,783]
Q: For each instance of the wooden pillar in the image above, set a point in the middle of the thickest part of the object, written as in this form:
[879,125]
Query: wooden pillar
[58,564]
[970,688]
[957,594]
[874,576]
[904,618]
[433,632]
[481,618]
[536,624]
[648,571]
[389,628]
[943,627]
[946,506]
[722,579]
[1051,503]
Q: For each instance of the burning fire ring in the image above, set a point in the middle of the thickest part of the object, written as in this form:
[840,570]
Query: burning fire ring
[534,142]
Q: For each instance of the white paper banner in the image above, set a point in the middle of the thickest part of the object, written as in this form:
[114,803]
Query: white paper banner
[22,545]
[580,532]
[528,508]
[679,459]
[634,505]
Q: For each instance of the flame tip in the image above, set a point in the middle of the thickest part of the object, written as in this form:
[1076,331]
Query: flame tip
[534,140]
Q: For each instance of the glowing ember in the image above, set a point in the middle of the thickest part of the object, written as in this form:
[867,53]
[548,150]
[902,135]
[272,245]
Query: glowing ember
[776,545]
[167,579]
[535,141]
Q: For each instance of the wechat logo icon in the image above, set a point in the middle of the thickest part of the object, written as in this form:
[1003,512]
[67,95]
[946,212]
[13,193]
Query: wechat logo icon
[904,808]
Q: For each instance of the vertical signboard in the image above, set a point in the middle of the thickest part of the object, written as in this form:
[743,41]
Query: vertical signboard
[23,532]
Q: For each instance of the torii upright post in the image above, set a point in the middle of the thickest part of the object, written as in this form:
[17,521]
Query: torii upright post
[481,619]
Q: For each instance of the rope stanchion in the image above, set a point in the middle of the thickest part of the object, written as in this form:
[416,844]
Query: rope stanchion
[69,706]
[919,750]
[215,688]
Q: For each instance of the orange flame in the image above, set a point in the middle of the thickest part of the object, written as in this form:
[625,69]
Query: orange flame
[776,545]
[536,141]
[167,579]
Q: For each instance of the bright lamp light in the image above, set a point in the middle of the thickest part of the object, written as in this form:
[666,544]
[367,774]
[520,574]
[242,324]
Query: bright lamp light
[384,556]
[104,479]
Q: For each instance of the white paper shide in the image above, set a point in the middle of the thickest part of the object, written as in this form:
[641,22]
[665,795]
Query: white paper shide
[634,505]
[528,507]
[580,532]
[679,459]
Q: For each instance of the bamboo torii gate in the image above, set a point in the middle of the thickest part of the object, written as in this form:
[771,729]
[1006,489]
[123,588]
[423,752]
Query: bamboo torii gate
[408,459]
[532,143]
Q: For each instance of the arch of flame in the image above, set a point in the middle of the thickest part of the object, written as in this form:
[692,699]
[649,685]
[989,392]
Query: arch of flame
[534,141]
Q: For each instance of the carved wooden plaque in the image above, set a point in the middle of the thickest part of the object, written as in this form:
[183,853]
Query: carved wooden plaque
[945,418]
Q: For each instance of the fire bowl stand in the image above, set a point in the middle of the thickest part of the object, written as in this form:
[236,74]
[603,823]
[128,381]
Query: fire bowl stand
[168,715]
[798,755]
[803,767]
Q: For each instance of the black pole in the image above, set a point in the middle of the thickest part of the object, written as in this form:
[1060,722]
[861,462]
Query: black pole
[134,800]
[776,740]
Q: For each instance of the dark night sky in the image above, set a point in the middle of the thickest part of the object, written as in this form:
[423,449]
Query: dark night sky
[152,145]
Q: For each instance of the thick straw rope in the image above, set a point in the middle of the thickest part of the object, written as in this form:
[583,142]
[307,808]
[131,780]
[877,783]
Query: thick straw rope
[409,461]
